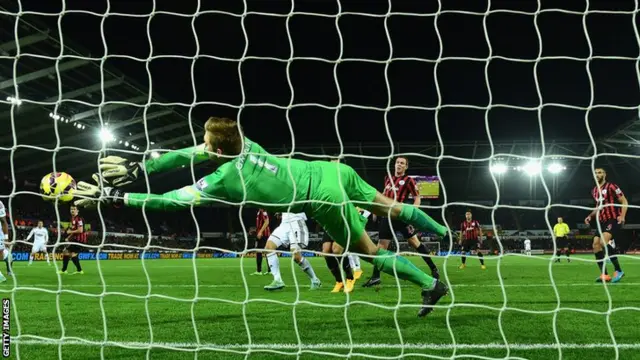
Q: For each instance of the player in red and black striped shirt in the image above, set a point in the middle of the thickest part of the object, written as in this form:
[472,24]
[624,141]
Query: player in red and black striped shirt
[470,237]
[263,233]
[611,219]
[76,234]
[402,188]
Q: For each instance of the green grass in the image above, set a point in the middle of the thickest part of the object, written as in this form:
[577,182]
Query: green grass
[480,317]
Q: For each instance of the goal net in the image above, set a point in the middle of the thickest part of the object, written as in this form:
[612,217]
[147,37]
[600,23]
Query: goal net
[501,109]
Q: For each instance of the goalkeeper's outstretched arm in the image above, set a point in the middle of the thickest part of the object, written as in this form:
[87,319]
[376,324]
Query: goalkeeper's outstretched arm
[176,159]
[174,200]
[203,193]
[117,171]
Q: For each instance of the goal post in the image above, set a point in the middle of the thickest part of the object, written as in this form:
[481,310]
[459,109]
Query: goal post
[486,91]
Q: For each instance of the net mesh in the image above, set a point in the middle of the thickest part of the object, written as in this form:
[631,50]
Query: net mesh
[346,346]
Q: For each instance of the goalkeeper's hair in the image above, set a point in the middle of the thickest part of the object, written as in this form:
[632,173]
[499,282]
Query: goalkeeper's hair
[225,134]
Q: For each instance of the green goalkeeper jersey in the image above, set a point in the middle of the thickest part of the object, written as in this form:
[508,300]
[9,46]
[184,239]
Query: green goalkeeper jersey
[254,177]
[325,191]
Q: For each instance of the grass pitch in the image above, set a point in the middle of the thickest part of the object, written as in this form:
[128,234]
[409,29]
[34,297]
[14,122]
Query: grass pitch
[169,309]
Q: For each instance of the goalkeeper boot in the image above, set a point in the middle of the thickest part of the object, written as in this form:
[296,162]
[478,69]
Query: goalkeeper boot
[617,276]
[462,266]
[350,284]
[483,267]
[372,282]
[315,284]
[62,272]
[275,285]
[337,288]
[81,272]
[431,297]
[256,273]
[603,278]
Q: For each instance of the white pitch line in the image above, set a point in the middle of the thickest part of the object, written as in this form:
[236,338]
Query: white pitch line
[324,346]
[9,285]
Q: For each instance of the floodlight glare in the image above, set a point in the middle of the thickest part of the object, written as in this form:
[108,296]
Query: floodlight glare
[532,168]
[106,135]
[555,168]
[499,168]
[126,143]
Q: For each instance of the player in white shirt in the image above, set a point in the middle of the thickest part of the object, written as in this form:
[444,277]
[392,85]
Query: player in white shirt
[40,239]
[292,233]
[527,247]
[4,232]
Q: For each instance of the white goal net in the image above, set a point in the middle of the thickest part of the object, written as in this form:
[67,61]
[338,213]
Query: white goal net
[507,107]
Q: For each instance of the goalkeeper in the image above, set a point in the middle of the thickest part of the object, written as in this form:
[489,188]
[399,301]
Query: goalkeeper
[326,191]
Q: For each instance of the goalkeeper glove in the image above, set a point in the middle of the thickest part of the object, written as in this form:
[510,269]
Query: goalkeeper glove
[117,171]
[93,192]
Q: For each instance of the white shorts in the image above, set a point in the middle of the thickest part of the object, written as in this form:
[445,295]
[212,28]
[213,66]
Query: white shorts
[527,248]
[292,234]
[39,246]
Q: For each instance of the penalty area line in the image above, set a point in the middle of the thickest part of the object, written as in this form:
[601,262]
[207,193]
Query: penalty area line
[322,346]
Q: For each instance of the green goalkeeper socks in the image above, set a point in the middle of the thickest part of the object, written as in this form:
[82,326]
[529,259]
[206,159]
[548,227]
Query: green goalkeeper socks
[418,218]
[404,268]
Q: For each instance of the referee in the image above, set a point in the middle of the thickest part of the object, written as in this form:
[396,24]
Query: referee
[561,230]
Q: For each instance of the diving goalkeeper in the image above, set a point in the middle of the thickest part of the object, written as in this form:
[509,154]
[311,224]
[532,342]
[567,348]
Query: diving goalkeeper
[328,192]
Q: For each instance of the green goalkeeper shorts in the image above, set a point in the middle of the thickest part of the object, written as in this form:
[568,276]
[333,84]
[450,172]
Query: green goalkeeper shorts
[336,189]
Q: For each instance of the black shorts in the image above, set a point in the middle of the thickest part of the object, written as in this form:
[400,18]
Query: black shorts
[562,242]
[610,226]
[261,243]
[385,232]
[470,245]
[74,248]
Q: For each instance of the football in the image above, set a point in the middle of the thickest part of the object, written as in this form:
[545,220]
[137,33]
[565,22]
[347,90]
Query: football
[58,185]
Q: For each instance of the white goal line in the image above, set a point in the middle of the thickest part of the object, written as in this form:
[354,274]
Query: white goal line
[69,286]
[323,346]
